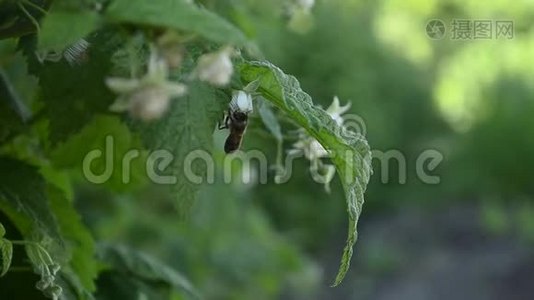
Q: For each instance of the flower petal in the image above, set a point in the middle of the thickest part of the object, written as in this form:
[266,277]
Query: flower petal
[175,89]
[122,85]
[122,104]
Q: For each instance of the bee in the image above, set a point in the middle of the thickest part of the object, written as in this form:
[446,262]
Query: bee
[236,120]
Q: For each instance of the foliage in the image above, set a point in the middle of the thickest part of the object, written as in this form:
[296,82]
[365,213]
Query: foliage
[171,67]
[350,151]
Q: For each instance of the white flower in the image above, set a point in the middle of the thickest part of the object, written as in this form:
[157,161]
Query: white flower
[323,173]
[146,101]
[335,110]
[147,98]
[314,151]
[300,16]
[306,5]
[215,68]
[309,146]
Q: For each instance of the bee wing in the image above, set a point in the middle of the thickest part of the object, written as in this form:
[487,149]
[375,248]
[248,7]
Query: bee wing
[249,102]
[233,105]
[241,101]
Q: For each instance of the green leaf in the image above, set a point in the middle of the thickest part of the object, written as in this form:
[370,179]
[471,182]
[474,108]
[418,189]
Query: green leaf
[115,285]
[78,241]
[47,222]
[10,122]
[23,192]
[176,14]
[74,94]
[349,151]
[270,120]
[2,231]
[17,89]
[188,127]
[63,28]
[139,265]
[95,136]
[6,255]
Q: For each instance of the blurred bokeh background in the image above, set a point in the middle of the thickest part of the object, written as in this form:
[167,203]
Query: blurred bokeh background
[471,236]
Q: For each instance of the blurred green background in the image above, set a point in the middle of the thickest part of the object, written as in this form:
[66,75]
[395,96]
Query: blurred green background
[469,237]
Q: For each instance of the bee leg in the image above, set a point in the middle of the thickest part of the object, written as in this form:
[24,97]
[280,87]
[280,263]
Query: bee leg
[224,123]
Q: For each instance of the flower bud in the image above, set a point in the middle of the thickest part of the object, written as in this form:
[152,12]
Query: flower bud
[335,110]
[215,68]
[149,103]
[55,267]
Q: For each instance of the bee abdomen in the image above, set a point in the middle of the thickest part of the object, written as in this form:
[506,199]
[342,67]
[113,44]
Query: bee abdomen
[233,142]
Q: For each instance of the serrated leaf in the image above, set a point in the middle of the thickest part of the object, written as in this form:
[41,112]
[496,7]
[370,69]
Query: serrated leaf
[23,191]
[6,255]
[74,94]
[62,28]
[349,151]
[78,242]
[44,216]
[139,265]
[176,14]
[188,127]
[95,136]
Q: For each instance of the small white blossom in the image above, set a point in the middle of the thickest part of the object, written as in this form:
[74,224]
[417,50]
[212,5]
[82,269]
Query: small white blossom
[335,110]
[147,102]
[323,173]
[306,5]
[309,146]
[215,68]
[314,151]
[147,98]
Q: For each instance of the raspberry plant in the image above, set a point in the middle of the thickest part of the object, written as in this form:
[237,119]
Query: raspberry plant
[155,75]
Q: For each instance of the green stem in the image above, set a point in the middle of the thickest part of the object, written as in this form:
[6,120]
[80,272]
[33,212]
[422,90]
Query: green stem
[22,25]
[29,16]
[37,7]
